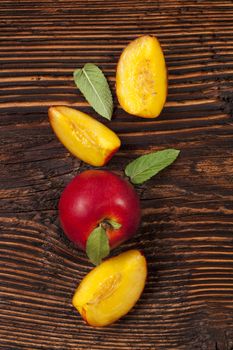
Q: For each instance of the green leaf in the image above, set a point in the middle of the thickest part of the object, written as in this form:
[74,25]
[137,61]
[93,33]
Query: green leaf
[144,167]
[94,86]
[114,224]
[97,246]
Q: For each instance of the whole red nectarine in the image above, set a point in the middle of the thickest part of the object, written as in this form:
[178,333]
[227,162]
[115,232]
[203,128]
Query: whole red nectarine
[99,197]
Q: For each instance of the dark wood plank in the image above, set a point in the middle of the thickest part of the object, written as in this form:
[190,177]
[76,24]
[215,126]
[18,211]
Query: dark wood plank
[187,225]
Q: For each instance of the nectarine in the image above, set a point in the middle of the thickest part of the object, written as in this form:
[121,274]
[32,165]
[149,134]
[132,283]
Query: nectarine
[141,78]
[111,289]
[84,136]
[99,197]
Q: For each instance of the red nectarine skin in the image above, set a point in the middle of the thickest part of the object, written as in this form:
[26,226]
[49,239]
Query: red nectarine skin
[94,196]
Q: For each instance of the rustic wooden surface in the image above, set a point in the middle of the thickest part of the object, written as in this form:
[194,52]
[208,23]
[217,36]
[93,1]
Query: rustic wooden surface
[187,225]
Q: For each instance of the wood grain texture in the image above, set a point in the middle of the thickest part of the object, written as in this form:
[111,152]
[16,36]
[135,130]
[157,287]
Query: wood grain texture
[187,226]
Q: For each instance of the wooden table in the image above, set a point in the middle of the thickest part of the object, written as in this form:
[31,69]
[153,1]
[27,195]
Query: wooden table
[187,223]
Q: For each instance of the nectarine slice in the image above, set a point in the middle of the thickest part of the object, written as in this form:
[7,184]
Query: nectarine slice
[111,289]
[141,78]
[84,136]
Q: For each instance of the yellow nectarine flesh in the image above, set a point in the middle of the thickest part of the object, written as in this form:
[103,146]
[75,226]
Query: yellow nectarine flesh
[141,78]
[84,136]
[111,289]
